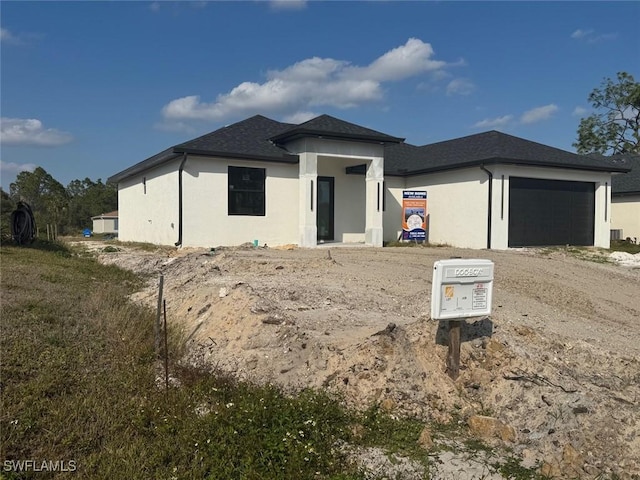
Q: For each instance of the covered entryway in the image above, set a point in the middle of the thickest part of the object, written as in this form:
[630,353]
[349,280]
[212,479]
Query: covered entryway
[550,212]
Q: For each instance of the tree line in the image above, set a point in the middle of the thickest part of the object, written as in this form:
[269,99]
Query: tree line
[67,210]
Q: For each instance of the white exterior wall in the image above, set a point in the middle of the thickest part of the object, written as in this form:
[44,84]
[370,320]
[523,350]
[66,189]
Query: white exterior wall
[206,222]
[457,204]
[625,215]
[500,214]
[105,225]
[456,207]
[150,217]
[393,208]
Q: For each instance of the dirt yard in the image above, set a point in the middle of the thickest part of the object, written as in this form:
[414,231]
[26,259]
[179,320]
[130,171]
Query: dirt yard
[553,373]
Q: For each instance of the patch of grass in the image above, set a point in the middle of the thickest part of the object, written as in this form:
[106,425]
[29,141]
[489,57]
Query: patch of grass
[115,243]
[78,384]
[415,244]
[145,247]
[397,435]
[598,255]
[513,470]
[624,246]
[591,255]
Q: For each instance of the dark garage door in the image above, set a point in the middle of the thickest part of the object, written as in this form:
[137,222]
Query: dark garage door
[550,212]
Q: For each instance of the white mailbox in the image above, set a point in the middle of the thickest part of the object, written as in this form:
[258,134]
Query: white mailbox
[461,288]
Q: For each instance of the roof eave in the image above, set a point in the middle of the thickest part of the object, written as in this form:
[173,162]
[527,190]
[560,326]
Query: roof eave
[139,168]
[511,161]
[625,194]
[289,136]
[285,158]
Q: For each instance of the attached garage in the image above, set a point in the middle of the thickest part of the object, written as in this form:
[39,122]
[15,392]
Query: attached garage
[550,212]
[492,190]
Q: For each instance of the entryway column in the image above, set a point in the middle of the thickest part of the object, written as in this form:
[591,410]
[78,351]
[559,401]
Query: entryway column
[307,200]
[375,197]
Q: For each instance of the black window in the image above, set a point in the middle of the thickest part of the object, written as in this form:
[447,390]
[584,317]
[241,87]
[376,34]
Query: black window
[246,191]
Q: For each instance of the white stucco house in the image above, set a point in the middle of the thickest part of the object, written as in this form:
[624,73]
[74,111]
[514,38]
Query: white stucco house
[105,222]
[328,180]
[625,199]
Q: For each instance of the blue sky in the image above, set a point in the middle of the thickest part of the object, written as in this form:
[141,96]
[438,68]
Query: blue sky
[91,88]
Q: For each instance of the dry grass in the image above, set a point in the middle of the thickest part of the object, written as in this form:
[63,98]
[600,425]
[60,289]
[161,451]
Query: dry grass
[78,390]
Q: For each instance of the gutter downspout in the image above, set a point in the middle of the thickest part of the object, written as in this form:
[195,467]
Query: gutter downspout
[184,160]
[489,204]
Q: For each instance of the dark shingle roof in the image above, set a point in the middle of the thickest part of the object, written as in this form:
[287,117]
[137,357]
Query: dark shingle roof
[157,159]
[245,139]
[626,183]
[249,138]
[260,138]
[330,127]
[484,148]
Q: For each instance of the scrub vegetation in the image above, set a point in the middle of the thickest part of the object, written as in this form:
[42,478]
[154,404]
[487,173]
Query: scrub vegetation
[79,388]
[82,396]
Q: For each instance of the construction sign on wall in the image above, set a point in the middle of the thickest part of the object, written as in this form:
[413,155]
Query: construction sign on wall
[414,215]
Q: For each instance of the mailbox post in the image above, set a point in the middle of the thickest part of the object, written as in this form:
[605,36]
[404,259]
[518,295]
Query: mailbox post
[460,289]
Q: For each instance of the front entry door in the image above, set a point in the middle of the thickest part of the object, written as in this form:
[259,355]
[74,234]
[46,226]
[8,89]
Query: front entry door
[324,219]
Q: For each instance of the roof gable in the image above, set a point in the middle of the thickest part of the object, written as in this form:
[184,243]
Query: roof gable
[330,127]
[113,214]
[248,138]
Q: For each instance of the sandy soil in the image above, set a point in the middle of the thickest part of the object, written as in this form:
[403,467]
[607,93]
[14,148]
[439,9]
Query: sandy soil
[556,366]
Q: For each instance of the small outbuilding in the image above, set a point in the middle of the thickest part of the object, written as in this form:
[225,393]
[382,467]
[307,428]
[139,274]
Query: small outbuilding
[106,222]
[328,180]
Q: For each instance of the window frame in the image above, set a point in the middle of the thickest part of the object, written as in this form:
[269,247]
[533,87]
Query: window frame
[250,183]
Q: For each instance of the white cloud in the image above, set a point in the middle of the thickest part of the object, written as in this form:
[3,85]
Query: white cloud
[581,33]
[590,36]
[579,111]
[13,168]
[288,4]
[460,86]
[534,115]
[299,117]
[5,34]
[408,60]
[156,5]
[9,38]
[173,126]
[538,114]
[30,131]
[312,82]
[499,122]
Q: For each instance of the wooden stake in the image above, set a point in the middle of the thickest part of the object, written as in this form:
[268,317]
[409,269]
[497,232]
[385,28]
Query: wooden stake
[166,348]
[156,326]
[453,354]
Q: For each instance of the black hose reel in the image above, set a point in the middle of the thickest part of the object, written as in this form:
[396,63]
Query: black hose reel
[23,224]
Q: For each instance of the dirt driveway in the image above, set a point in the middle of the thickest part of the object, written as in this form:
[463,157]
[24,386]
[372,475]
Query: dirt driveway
[556,365]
